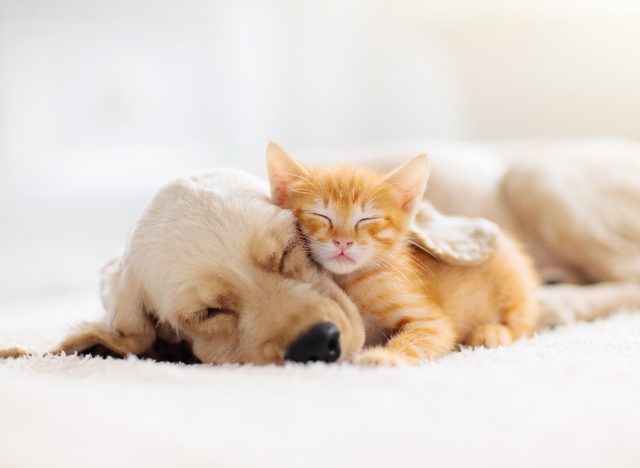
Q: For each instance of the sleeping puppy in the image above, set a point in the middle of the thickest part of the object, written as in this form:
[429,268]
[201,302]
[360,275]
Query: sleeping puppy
[215,273]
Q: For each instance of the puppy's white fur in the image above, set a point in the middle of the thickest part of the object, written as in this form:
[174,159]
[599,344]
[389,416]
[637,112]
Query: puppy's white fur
[214,263]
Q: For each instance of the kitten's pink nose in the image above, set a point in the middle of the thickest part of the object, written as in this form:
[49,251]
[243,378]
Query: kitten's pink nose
[342,244]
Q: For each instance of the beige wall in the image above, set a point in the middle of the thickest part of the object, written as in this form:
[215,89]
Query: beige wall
[93,84]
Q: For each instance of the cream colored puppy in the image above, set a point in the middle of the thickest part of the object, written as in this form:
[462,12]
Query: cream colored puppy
[215,268]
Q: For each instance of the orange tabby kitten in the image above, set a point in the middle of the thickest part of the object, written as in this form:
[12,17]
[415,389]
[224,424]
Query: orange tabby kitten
[357,226]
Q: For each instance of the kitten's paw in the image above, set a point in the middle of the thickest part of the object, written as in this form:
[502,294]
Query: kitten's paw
[490,336]
[378,357]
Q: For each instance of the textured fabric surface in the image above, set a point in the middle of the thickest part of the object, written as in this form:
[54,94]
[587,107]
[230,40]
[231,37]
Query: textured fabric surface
[567,397]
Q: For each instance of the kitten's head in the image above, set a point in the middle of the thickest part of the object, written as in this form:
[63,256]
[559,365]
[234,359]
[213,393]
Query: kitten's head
[352,217]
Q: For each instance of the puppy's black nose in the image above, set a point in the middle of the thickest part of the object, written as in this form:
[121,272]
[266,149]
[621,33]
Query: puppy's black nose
[320,343]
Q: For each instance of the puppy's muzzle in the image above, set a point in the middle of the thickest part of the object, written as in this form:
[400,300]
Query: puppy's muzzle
[320,343]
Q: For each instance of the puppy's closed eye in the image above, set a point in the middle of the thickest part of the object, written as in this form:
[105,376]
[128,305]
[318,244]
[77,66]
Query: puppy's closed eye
[213,322]
[209,314]
[213,312]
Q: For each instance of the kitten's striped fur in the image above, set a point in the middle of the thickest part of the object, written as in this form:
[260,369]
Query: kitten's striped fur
[357,226]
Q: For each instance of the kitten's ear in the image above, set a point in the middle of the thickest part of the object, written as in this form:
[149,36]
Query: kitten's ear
[283,171]
[410,180]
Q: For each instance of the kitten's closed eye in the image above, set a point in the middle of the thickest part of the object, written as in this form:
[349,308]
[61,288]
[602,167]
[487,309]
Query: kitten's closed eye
[368,220]
[325,217]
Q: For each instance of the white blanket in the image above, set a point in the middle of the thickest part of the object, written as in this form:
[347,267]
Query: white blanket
[567,397]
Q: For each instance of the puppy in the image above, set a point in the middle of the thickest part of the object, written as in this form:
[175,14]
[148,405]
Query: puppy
[213,270]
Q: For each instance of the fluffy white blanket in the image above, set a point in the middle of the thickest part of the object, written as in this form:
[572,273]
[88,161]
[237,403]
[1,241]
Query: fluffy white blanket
[567,397]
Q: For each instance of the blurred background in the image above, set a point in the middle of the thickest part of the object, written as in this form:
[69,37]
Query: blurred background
[102,102]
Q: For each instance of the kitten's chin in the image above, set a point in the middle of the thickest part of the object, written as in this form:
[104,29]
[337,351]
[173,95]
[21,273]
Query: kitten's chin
[340,266]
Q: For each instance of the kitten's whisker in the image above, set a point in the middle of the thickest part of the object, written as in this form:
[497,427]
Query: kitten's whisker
[418,246]
[416,261]
[421,266]
[391,263]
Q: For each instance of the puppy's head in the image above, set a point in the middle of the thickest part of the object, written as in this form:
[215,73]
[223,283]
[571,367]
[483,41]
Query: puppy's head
[213,263]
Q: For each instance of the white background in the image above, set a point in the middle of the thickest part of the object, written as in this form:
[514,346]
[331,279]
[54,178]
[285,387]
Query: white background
[102,101]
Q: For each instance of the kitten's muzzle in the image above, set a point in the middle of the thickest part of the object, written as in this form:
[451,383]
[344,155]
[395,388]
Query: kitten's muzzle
[320,343]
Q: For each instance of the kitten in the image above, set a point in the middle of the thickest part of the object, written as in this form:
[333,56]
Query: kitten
[357,226]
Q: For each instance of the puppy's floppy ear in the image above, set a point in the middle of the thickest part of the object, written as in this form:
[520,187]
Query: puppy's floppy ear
[283,172]
[98,339]
[454,239]
[128,328]
[12,353]
[410,180]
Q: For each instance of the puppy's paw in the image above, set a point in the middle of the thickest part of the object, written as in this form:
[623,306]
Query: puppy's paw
[490,336]
[378,356]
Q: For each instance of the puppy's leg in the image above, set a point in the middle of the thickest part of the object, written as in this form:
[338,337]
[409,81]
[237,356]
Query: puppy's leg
[566,303]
